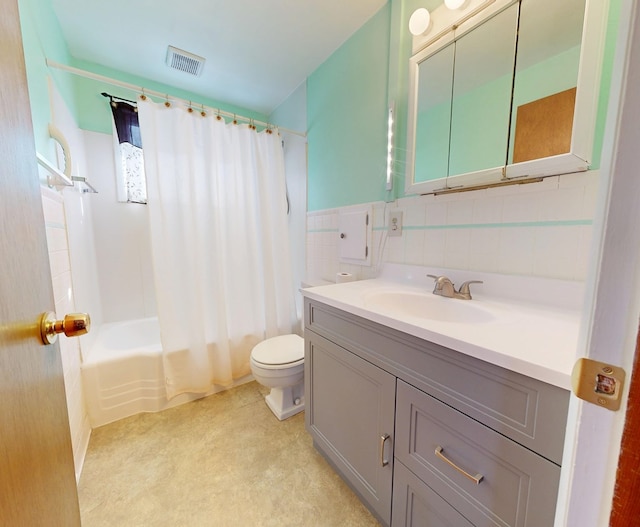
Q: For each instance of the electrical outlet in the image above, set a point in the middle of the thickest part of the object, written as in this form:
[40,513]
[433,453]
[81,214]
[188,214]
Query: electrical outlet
[394,225]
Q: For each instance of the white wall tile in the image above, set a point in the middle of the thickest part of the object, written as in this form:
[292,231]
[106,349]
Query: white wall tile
[53,208]
[540,248]
[414,214]
[434,247]
[394,249]
[436,213]
[521,208]
[561,204]
[487,210]
[413,246]
[516,250]
[555,251]
[583,254]
[484,250]
[456,255]
[460,212]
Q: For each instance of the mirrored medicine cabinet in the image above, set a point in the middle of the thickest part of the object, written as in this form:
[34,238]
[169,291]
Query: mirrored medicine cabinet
[506,91]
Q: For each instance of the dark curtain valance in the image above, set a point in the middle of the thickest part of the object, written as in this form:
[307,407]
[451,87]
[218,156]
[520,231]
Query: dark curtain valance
[125,117]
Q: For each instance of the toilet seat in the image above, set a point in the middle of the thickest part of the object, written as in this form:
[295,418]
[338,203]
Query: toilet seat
[276,352]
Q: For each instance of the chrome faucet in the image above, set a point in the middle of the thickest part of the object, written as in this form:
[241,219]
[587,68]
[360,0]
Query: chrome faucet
[445,287]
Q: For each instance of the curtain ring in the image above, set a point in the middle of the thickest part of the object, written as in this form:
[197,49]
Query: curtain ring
[202,112]
[269,128]
[235,121]
[190,110]
[167,103]
[218,117]
[143,97]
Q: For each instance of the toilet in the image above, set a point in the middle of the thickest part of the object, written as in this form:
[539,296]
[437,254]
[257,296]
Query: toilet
[278,363]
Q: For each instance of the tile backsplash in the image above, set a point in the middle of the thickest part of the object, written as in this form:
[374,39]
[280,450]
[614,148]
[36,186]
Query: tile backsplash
[542,229]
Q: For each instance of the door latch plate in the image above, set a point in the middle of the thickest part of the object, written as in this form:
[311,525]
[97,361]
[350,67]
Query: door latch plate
[598,383]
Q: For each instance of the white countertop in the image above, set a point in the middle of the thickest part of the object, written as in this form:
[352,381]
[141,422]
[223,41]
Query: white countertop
[536,337]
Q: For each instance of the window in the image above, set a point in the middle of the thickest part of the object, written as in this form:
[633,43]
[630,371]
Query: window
[129,160]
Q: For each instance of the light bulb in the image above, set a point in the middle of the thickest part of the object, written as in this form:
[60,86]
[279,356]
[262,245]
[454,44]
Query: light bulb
[419,21]
[454,4]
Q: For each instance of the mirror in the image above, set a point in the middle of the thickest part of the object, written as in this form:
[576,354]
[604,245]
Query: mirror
[433,123]
[516,109]
[546,78]
[482,83]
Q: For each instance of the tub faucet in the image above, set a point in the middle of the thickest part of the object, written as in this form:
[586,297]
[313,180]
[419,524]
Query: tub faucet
[445,287]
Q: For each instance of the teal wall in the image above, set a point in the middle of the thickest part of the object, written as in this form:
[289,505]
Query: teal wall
[346,100]
[347,119]
[346,107]
[42,39]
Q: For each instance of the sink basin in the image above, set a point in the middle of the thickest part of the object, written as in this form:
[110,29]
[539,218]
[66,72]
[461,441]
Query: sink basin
[427,306]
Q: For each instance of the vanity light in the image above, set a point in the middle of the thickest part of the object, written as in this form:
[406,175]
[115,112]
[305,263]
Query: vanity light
[420,21]
[454,4]
[389,184]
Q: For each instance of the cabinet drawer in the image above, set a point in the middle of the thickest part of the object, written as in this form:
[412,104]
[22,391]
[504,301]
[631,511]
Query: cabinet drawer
[517,487]
[528,411]
[416,505]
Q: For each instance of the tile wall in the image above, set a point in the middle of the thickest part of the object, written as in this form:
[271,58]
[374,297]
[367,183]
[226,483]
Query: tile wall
[541,229]
[54,215]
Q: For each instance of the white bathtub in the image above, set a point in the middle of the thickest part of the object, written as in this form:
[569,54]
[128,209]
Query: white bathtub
[122,375]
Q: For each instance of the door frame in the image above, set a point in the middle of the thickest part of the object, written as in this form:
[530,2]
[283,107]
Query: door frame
[612,303]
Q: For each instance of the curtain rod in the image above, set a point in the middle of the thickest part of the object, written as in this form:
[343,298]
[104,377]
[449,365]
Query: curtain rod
[133,87]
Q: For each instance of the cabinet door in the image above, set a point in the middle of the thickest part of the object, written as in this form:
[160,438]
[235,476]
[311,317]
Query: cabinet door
[416,505]
[350,406]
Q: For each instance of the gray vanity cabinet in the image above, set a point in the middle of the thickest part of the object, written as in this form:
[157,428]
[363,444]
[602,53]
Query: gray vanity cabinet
[489,479]
[416,505]
[464,441]
[350,414]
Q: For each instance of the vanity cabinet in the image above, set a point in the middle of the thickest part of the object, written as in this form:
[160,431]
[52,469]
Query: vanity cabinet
[351,418]
[445,413]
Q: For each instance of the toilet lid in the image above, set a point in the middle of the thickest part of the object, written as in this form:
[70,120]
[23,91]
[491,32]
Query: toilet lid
[284,349]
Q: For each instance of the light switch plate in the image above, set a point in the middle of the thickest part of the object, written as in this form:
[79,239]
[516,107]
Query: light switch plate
[394,225]
[598,383]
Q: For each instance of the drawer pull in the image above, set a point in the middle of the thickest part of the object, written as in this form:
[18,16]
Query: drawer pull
[476,479]
[383,440]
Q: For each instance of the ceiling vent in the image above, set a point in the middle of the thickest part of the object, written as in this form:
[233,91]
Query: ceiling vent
[181,60]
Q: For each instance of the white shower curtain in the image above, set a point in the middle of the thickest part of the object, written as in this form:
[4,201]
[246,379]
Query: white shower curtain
[220,245]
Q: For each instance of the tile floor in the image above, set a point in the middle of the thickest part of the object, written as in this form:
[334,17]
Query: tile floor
[222,461]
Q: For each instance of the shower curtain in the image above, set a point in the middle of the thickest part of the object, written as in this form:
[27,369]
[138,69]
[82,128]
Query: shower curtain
[220,246]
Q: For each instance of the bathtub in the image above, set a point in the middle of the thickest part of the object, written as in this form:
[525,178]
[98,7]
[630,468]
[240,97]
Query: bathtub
[122,374]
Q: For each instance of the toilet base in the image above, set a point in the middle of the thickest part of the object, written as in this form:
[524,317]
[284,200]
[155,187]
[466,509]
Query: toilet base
[282,401]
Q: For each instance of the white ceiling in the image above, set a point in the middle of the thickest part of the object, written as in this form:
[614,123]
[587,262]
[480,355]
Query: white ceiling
[257,51]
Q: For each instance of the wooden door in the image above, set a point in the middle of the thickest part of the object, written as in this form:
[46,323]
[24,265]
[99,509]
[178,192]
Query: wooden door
[37,479]
[626,500]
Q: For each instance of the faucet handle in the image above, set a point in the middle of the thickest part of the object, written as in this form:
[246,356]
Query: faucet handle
[439,279]
[464,288]
[443,287]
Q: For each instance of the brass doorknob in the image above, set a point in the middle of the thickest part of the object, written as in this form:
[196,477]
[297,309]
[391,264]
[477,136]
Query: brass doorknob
[73,325]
